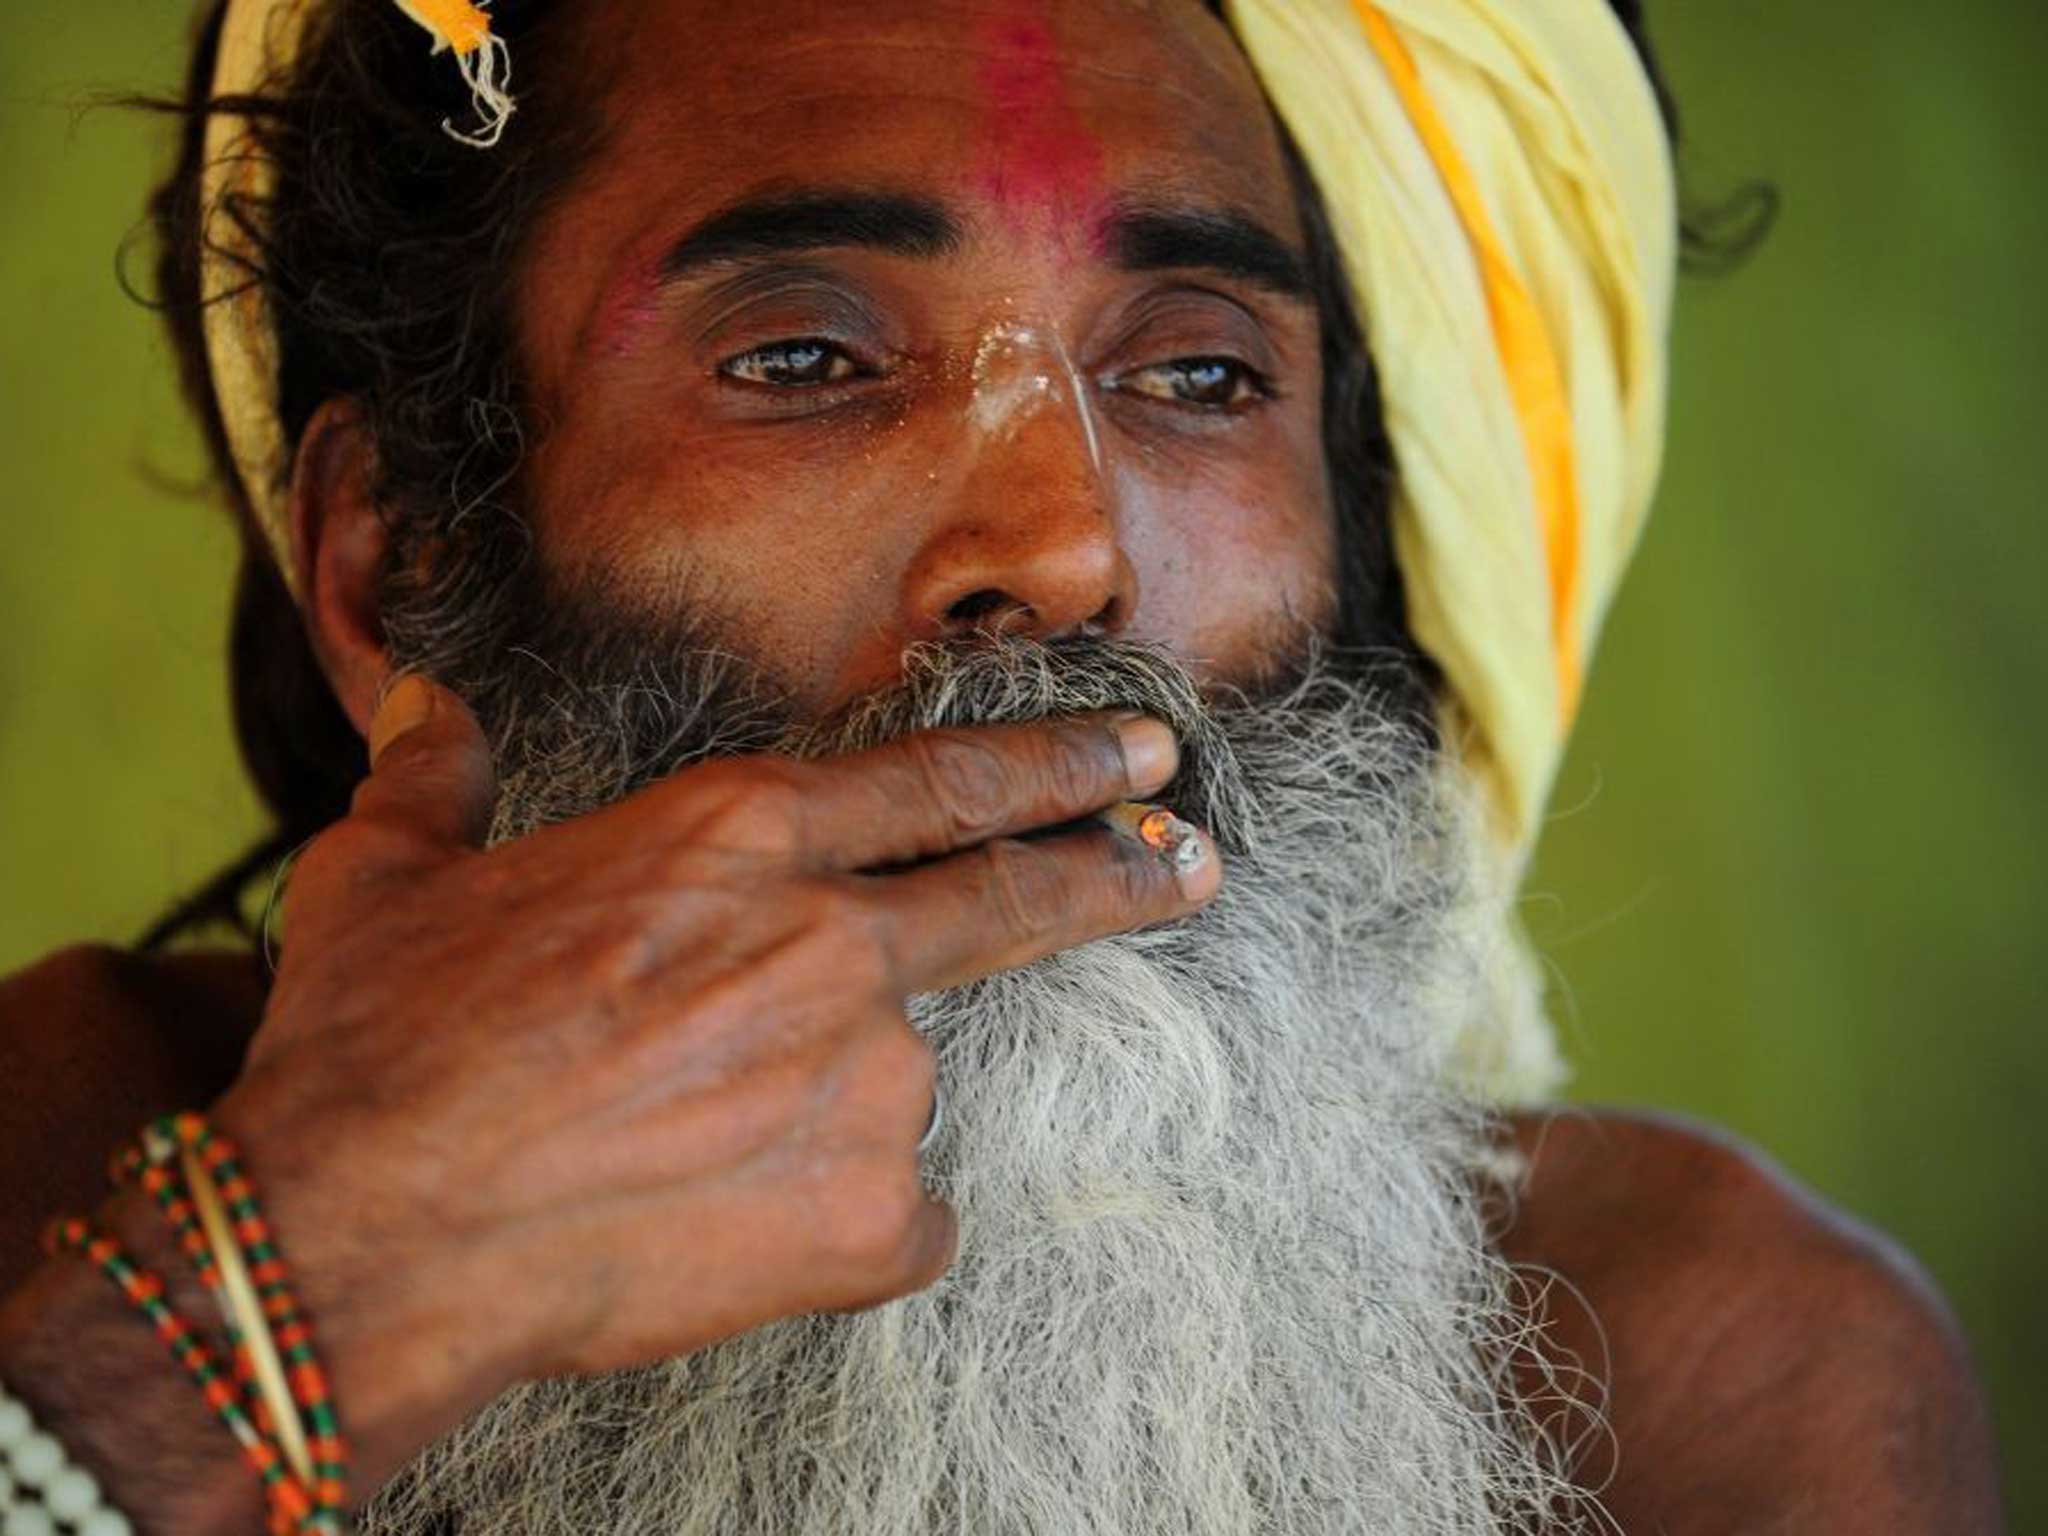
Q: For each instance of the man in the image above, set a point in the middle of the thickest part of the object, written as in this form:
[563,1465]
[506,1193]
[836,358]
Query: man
[826,456]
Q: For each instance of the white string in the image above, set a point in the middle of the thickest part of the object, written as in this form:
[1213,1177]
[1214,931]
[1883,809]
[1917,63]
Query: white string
[487,70]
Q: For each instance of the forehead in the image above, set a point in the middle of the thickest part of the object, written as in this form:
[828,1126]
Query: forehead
[1025,116]
[1158,84]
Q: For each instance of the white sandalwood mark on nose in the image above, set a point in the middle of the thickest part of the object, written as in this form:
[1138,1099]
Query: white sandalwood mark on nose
[1010,381]
[1083,406]
[1018,371]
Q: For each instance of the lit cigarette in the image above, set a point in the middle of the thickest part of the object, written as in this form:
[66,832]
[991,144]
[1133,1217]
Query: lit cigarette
[1176,842]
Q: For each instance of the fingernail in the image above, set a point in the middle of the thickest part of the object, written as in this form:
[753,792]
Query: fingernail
[1196,869]
[1180,845]
[408,703]
[1151,756]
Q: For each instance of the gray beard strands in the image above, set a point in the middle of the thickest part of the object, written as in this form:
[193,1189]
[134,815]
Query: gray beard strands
[1222,1262]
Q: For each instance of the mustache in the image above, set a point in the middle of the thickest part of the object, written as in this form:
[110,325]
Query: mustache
[1226,732]
[1014,680]
[599,704]
[1010,680]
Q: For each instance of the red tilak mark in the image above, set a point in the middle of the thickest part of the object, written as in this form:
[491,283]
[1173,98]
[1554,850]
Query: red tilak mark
[1044,166]
[628,312]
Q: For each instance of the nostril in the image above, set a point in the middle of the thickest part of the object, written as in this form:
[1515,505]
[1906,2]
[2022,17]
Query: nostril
[979,605]
[1109,618]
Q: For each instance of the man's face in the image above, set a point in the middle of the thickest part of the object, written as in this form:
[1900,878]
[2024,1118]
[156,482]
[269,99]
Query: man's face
[874,324]
[870,326]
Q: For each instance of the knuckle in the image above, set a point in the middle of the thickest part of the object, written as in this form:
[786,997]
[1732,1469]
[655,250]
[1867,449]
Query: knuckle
[1137,882]
[1081,762]
[344,852]
[965,778]
[846,938]
[755,806]
[1024,885]
[828,908]
[873,1222]
[432,774]
[904,1065]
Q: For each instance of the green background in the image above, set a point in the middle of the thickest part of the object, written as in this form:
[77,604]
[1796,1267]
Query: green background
[1791,883]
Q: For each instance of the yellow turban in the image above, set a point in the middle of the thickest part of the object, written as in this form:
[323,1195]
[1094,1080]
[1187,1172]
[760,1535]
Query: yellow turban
[1499,180]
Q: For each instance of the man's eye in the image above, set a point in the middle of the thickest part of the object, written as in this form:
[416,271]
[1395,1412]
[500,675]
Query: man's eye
[1214,383]
[791,365]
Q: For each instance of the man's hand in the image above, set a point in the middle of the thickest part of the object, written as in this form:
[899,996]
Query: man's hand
[643,1080]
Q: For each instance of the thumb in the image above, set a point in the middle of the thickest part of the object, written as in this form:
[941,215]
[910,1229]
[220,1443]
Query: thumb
[430,768]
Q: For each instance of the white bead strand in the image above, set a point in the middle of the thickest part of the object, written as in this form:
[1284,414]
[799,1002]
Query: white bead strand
[35,1459]
[26,1519]
[71,1495]
[31,1458]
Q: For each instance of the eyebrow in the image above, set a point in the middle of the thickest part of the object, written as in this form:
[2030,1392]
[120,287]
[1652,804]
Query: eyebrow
[793,222]
[1147,238]
[1142,237]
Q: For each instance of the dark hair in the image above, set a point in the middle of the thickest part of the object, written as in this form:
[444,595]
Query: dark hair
[388,253]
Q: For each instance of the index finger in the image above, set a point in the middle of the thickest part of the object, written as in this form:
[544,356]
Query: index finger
[939,791]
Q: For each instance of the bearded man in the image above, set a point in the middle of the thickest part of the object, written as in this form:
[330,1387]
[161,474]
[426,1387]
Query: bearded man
[726,546]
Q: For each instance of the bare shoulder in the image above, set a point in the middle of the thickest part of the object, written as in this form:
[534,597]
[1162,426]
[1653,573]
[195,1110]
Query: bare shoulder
[93,1042]
[1772,1364]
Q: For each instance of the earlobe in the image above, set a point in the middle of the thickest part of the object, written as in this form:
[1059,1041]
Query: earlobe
[338,541]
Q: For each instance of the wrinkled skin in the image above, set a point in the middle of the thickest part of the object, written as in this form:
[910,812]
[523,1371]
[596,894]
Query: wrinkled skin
[1009,444]
[1013,430]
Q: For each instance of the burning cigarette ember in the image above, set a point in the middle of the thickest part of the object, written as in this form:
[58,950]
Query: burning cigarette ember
[1177,842]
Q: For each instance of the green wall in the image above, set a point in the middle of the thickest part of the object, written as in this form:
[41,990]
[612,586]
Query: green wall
[1792,880]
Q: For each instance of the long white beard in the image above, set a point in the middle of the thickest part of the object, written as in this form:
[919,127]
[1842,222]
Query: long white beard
[1222,1261]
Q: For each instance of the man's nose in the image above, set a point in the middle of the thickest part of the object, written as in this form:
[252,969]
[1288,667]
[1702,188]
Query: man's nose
[1027,542]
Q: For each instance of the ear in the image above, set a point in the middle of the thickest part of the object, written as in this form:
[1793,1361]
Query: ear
[338,542]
